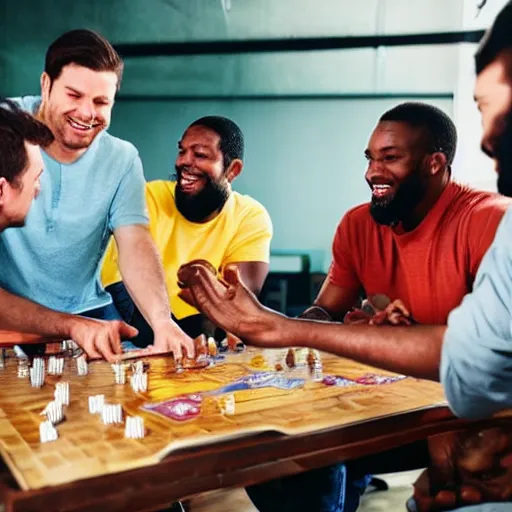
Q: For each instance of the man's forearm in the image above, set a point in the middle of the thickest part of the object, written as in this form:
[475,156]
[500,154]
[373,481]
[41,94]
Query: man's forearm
[414,351]
[23,315]
[144,279]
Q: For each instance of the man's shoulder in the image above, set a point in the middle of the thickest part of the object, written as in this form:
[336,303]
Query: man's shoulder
[359,216]
[477,204]
[109,143]
[28,103]
[247,205]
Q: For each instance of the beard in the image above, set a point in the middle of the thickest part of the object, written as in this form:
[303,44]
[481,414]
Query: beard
[60,127]
[391,211]
[198,207]
[503,155]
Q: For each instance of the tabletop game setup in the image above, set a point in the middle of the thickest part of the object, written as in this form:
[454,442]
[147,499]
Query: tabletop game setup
[63,418]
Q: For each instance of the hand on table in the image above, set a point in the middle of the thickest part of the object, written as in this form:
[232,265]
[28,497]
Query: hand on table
[380,311]
[101,339]
[229,303]
[169,338]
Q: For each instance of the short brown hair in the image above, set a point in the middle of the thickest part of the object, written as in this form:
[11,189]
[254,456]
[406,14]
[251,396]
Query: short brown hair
[85,48]
[16,128]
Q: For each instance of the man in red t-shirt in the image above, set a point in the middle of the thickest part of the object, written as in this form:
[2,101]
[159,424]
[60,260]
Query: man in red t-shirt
[420,240]
[422,237]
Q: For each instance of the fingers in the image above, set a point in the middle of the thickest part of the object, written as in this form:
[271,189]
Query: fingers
[126,331]
[186,296]
[232,275]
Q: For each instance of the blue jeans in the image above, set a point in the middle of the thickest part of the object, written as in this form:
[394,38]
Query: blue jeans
[330,489]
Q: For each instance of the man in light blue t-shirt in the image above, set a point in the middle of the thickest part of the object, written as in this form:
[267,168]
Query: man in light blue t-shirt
[21,166]
[92,186]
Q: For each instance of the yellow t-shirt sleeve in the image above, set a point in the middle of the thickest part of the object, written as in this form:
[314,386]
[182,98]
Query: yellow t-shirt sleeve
[252,239]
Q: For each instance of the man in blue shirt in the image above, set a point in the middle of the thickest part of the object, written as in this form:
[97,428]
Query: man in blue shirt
[92,186]
[21,166]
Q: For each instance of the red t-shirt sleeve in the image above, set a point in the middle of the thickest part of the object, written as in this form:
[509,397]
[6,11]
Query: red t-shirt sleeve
[342,271]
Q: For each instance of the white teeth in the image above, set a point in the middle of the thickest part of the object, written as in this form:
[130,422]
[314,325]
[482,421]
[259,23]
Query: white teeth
[381,187]
[80,126]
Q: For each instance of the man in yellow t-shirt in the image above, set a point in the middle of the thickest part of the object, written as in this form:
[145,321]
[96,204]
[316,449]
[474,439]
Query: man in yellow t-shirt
[199,217]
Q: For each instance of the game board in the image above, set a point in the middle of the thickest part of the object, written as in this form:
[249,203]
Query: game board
[188,408]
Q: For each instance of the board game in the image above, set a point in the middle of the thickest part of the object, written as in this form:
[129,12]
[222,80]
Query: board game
[236,394]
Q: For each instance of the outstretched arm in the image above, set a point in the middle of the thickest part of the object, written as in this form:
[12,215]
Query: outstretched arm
[144,278]
[413,351]
[97,338]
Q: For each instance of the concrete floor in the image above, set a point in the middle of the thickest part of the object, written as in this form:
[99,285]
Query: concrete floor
[393,500]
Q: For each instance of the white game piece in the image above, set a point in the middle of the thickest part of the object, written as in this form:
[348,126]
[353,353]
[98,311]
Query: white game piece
[23,370]
[81,365]
[119,373]
[301,356]
[61,393]
[139,382]
[2,358]
[137,367]
[96,404]
[317,373]
[112,413]
[37,372]
[227,404]
[134,428]
[54,412]
[55,365]
[47,432]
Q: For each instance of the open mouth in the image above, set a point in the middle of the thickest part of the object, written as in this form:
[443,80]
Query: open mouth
[81,126]
[381,191]
[189,181]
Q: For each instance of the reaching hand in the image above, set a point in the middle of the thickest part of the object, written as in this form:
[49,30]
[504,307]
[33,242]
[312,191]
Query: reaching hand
[395,313]
[100,339]
[170,338]
[229,304]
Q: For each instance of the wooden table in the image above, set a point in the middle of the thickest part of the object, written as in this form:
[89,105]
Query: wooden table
[237,462]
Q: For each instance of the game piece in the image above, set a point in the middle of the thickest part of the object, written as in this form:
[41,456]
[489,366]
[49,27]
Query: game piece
[54,412]
[212,347]
[37,372]
[23,369]
[61,393]
[279,367]
[223,345]
[55,365]
[96,404]
[227,404]
[119,373]
[2,358]
[111,414]
[47,432]
[290,358]
[139,382]
[81,365]
[200,360]
[134,428]
[301,356]
[137,367]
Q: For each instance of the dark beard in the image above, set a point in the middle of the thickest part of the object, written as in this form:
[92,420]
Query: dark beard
[399,207]
[197,208]
[503,155]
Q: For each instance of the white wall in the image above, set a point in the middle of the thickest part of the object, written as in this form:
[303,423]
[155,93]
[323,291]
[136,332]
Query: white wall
[304,158]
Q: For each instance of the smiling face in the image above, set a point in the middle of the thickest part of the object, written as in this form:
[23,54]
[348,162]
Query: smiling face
[202,185]
[78,104]
[396,171]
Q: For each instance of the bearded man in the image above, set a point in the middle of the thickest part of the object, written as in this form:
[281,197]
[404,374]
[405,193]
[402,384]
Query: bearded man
[199,217]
